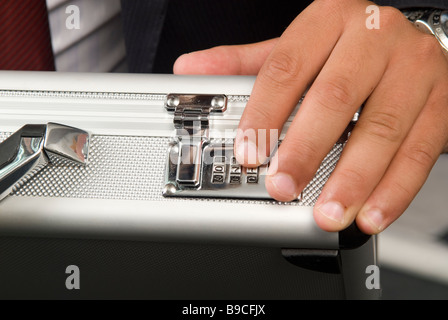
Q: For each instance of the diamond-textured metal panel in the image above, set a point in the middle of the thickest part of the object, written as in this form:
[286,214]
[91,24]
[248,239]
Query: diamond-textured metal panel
[132,168]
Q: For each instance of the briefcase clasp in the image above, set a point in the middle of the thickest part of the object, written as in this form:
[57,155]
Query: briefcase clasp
[200,167]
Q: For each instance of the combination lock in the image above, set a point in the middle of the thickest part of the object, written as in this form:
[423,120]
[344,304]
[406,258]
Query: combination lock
[198,166]
[215,173]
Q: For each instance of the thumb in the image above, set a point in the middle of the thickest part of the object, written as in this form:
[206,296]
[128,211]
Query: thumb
[244,59]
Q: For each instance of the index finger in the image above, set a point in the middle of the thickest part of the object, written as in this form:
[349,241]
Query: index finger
[287,72]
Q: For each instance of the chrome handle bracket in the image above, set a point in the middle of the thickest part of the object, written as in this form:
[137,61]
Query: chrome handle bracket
[32,147]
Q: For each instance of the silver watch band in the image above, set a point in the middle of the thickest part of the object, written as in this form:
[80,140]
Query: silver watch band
[432,21]
[414,15]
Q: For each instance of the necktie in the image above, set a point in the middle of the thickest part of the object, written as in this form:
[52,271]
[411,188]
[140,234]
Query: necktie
[25,42]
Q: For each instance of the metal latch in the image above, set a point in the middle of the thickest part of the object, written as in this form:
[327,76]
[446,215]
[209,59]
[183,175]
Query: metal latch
[32,147]
[199,167]
[191,121]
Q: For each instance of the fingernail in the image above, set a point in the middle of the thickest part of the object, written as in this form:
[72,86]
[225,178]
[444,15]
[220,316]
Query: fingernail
[246,152]
[284,185]
[332,210]
[375,217]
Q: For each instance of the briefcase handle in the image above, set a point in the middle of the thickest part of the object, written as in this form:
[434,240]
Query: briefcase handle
[32,147]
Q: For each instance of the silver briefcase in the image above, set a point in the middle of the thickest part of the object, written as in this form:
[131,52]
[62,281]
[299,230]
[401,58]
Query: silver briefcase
[131,180]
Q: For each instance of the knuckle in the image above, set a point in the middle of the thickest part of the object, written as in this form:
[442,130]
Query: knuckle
[353,177]
[333,9]
[304,154]
[391,17]
[282,69]
[421,153]
[385,126]
[336,93]
[326,4]
[260,117]
[398,187]
[331,5]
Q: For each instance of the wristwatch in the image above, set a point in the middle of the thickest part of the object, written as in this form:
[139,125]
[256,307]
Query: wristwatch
[432,21]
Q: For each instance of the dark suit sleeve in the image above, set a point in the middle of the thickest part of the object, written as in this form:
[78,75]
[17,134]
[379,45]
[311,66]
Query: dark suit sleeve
[158,31]
[143,22]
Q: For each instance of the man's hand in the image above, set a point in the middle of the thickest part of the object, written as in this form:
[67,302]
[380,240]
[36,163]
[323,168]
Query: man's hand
[400,73]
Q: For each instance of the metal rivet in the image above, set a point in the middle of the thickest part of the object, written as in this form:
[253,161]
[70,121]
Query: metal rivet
[172,101]
[169,189]
[217,102]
